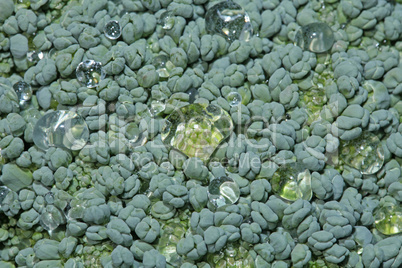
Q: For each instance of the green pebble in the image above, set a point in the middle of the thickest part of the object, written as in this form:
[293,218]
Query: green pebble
[15,178]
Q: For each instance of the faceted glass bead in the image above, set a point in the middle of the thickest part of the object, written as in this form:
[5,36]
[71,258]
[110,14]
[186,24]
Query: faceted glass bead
[90,73]
[228,19]
[64,129]
[364,153]
[51,218]
[166,20]
[388,219]
[24,92]
[4,190]
[197,129]
[317,37]
[234,98]
[292,181]
[112,29]
[223,191]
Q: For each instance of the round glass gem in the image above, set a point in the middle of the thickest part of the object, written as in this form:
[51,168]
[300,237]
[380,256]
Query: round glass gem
[316,37]
[160,65]
[90,73]
[64,129]
[35,56]
[197,129]
[388,219]
[112,29]
[234,98]
[292,181]
[24,92]
[229,20]
[166,20]
[49,198]
[157,107]
[364,153]
[223,191]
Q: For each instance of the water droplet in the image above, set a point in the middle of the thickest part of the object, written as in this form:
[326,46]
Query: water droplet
[90,73]
[24,92]
[157,107]
[388,219]
[317,37]
[292,181]
[234,98]
[112,29]
[166,20]
[197,129]
[51,218]
[364,153]
[35,56]
[160,64]
[223,191]
[4,190]
[230,20]
[193,94]
[49,198]
[64,129]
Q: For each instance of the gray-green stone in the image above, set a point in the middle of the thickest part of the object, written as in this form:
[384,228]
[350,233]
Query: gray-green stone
[15,178]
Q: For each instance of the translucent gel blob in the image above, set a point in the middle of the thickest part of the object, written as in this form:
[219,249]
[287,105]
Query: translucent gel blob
[317,37]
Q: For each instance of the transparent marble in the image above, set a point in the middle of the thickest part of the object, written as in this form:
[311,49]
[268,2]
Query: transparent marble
[35,56]
[292,181]
[197,129]
[229,20]
[364,153]
[90,73]
[388,219]
[4,190]
[112,29]
[160,65]
[64,129]
[234,98]
[223,191]
[317,37]
[166,20]
[24,92]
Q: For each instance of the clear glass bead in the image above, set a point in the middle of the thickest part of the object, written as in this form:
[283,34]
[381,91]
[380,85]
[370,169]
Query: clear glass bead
[223,191]
[4,190]
[234,98]
[197,129]
[51,218]
[90,73]
[64,129]
[317,37]
[157,107]
[193,94]
[364,153]
[172,232]
[230,20]
[166,20]
[24,92]
[292,181]
[112,29]
[35,56]
[388,219]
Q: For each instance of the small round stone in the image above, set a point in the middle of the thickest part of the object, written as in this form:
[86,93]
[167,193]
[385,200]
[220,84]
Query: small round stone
[64,129]
[234,98]
[24,92]
[316,37]
[223,191]
[166,20]
[230,20]
[112,29]
[364,153]
[90,73]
